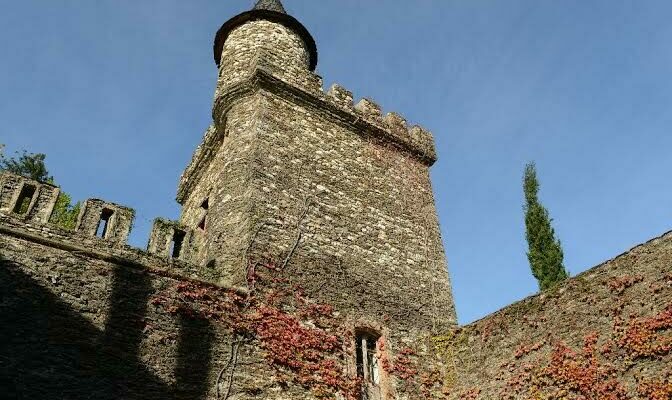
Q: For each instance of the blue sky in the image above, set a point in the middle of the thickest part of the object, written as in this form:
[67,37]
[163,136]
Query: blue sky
[118,93]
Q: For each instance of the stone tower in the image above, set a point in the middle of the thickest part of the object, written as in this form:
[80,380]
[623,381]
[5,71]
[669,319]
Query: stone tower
[289,169]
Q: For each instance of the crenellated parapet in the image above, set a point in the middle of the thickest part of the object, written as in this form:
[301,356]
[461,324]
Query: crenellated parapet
[342,97]
[265,70]
[26,204]
[108,221]
[170,239]
[391,126]
[26,198]
[34,202]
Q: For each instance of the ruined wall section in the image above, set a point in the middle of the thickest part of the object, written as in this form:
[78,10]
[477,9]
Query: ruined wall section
[604,334]
[33,201]
[78,320]
[29,204]
[84,316]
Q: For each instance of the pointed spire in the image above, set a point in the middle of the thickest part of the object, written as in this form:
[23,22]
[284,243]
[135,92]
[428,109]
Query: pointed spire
[270,5]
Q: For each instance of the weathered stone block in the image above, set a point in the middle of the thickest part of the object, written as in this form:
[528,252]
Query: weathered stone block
[341,96]
[397,126]
[369,110]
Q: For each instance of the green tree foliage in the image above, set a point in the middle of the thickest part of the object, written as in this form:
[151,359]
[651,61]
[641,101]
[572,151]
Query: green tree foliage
[544,249]
[33,166]
[65,213]
[27,164]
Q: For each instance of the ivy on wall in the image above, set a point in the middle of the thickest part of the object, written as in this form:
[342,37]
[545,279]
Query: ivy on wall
[303,343]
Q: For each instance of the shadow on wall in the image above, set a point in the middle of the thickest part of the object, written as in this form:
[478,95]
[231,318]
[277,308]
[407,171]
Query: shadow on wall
[48,351]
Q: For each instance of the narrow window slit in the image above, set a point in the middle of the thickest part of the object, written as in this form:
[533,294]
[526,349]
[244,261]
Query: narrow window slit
[24,200]
[368,360]
[177,243]
[104,223]
[204,206]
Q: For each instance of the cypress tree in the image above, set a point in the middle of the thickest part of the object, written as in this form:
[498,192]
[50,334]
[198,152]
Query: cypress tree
[544,249]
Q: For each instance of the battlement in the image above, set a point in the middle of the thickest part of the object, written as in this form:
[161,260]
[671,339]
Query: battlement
[34,202]
[108,221]
[99,221]
[170,239]
[27,199]
[367,115]
[264,71]
[393,126]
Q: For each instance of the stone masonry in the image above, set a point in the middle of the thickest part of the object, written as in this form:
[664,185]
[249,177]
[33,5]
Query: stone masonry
[299,194]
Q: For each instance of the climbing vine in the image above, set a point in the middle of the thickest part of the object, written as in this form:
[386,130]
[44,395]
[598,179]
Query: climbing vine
[305,343]
[644,337]
[656,389]
[302,342]
[611,365]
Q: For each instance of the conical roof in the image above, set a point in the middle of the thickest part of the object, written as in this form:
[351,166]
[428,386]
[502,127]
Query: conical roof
[268,10]
[270,5]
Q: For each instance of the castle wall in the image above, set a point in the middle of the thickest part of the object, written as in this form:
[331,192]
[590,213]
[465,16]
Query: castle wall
[605,334]
[77,322]
[32,200]
[83,319]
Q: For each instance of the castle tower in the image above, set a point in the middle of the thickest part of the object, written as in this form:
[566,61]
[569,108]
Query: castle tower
[289,169]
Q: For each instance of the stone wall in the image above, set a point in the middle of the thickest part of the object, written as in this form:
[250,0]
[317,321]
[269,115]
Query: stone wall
[83,318]
[366,212]
[77,322]
[225,182]
[31,200]
[605,334]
